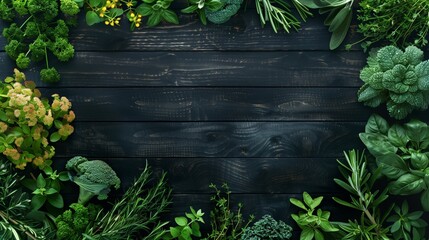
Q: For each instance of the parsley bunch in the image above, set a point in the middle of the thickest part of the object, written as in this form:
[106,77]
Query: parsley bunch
[401,23]
[39,29]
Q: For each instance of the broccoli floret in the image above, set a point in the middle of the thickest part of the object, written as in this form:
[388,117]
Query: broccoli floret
[49,75]
[22,61]
[94,178]
[44,10]
[267,228]
[230,8]
[69,7]
[73,222]
[62,49]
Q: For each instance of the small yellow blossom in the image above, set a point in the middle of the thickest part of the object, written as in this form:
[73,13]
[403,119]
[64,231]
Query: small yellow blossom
[19,141]
[3,127]
[38,161]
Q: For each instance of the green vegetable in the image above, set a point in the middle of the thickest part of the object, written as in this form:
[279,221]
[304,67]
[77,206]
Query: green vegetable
[201,6]
[186,229]
[402,153]
[230,8]
[278,13]
[407,225]
[157,11]
[359,182]
[41,30]
[226,223]
[71,224]
[142,204]
[339,17]
[15,206]
[398,78]
[313,226]
[402,23]
[267,228]
[94,178]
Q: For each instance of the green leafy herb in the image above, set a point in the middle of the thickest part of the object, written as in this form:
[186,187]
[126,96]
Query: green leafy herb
[187,227]
[398,78]
[313,226]
[359,182]
[44,29]
[157,11]
[402,153]
[222,15]
[201,6]
[278,13]
[267,228]
[407,225]
[401,23]
[137,214]
[226,224]
[339,17]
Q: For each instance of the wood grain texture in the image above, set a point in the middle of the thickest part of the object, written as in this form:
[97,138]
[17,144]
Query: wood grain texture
[242,32]
[210,69]
[211,139]
[243,175]
[215,104]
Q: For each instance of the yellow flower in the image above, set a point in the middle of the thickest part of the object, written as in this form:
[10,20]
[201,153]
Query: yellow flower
[3,127]
[69,117]
[21,166]
[19,141]
[38,161]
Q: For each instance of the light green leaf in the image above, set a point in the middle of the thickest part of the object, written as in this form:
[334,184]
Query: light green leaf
[92,18]
[55,137]
[298,203]
[307,234]
[181,221]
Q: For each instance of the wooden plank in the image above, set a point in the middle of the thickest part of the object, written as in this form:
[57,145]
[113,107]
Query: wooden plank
[207,69]
[243,175]
[178,69]
[242,32]
[211,139]
[215,104]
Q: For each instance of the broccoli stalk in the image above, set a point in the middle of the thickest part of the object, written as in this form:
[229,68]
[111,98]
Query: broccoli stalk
[94,178]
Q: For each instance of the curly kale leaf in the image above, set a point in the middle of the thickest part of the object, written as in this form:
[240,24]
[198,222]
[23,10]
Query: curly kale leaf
[398,78]
[268,228]
[230,8]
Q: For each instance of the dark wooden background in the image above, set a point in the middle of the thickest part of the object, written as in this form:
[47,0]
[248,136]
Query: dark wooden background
[267,113]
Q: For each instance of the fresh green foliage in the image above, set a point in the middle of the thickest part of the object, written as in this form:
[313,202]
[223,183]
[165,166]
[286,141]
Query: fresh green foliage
[15,204]
[398,78]
[201,6]
[72,223]
[43,30]
[338,20]
[359,182]
[226,224]
[278,13]
[407,225]
[230,8]
[157,11]
[46,189]
[94,178]
[186,229]
[138,212]
[402,154]
[267,228]
[27,122]
[400,23]
[313,226]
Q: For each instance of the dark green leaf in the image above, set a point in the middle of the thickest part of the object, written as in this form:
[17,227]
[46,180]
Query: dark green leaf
[170,16]
[407,184]
[37,201]
[95,3]
[419,160]
[154,19]
[189,9]
[424,199]
[40,182]
[397,136]
[339,19]
[339,34]
[56,200]
[376,124]
[392,165]
[144,10]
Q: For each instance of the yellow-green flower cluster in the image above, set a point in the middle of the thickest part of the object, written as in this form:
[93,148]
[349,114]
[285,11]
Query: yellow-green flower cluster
[27,122]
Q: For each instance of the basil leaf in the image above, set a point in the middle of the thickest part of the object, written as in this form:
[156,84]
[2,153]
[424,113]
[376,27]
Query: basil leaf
[397,136]
[407,184]
[392,166]
[376,124]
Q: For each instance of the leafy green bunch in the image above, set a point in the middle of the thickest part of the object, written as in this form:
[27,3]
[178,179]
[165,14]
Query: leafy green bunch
[137,214]
[201,6]
[402,23]
[339,16]
[279,14]
[359,182]
[267,228]
[187,227]
[72,223]
[226,223]
[398,78]
[407,225]
[223,13]
[314,226]
[402,153]
[15,205]
[43,30]
[27,122]
[111,12]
